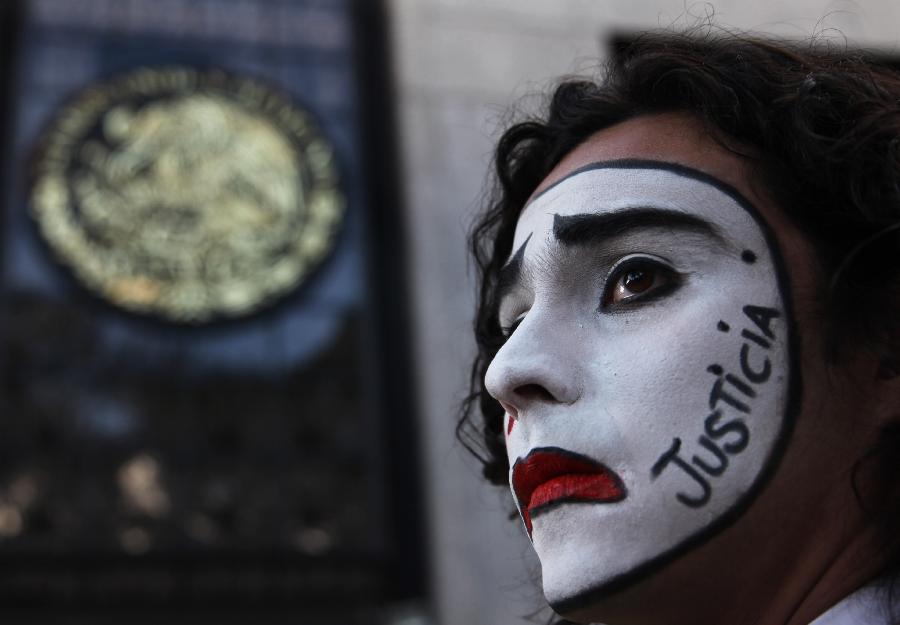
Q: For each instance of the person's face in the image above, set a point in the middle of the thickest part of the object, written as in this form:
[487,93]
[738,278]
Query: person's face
[648,376]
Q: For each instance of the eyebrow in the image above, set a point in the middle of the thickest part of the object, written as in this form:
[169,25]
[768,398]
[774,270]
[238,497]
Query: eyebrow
[596,229]
[572,230]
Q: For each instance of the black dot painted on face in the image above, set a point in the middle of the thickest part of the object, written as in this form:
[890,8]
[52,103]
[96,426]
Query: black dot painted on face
[714,369]
[748,257]
[723,327]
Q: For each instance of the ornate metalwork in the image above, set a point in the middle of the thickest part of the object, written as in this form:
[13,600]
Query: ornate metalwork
[186,194]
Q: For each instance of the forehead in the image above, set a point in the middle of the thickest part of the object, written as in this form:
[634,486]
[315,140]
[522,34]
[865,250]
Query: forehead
[677,138]
[617,186]
[672,137]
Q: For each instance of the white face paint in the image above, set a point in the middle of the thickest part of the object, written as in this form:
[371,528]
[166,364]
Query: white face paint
[649,374]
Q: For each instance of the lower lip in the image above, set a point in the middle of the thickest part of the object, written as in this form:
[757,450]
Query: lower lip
[573,488]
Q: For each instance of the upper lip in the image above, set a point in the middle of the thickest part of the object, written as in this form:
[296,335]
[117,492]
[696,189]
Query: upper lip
[558,476]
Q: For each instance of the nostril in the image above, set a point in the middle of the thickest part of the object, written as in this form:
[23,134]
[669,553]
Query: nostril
[534,392]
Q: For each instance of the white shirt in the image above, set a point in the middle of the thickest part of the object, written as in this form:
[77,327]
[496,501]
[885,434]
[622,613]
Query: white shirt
[863,607]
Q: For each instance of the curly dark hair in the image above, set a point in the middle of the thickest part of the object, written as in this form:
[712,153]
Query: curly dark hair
[821,129]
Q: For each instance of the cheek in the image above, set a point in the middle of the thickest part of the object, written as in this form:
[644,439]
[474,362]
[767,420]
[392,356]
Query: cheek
[696,416]
[721,363]
[690,420]
[708,376]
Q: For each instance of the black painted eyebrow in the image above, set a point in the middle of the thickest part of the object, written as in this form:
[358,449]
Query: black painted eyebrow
[571,230]
[596,229]
[508,275]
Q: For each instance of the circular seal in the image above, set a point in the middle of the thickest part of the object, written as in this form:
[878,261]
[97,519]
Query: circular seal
[191,195]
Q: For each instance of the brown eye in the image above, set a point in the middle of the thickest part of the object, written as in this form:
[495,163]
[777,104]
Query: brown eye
[639,279]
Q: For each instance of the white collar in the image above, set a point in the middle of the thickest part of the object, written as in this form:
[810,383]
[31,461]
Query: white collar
[863,607]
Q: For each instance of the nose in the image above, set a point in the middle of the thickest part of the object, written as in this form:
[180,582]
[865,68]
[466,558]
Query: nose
[538,365]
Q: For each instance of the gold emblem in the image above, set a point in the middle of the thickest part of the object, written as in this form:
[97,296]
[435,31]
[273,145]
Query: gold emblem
[186,194]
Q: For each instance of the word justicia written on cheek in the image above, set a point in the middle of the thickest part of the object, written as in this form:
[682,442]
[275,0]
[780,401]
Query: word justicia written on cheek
[725,431]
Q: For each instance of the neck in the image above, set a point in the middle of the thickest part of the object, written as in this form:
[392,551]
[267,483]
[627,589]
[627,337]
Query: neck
[822,570]
[815,559]
[843,574]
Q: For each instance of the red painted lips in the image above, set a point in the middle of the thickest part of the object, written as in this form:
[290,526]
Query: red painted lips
[550,475]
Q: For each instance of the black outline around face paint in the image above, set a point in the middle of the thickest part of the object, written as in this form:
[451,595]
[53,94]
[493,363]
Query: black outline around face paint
[792,403]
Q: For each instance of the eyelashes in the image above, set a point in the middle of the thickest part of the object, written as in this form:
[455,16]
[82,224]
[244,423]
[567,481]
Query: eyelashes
[508,330]
[632,282]
[638,280]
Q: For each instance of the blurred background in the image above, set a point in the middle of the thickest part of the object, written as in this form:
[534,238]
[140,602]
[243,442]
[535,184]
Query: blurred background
[235,301]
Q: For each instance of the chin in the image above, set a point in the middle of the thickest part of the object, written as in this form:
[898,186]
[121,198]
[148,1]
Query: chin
[578,603]
[618,601]
[581,568]
[595,566]
[604,605]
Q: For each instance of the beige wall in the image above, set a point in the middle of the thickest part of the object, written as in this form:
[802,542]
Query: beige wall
[460,64]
